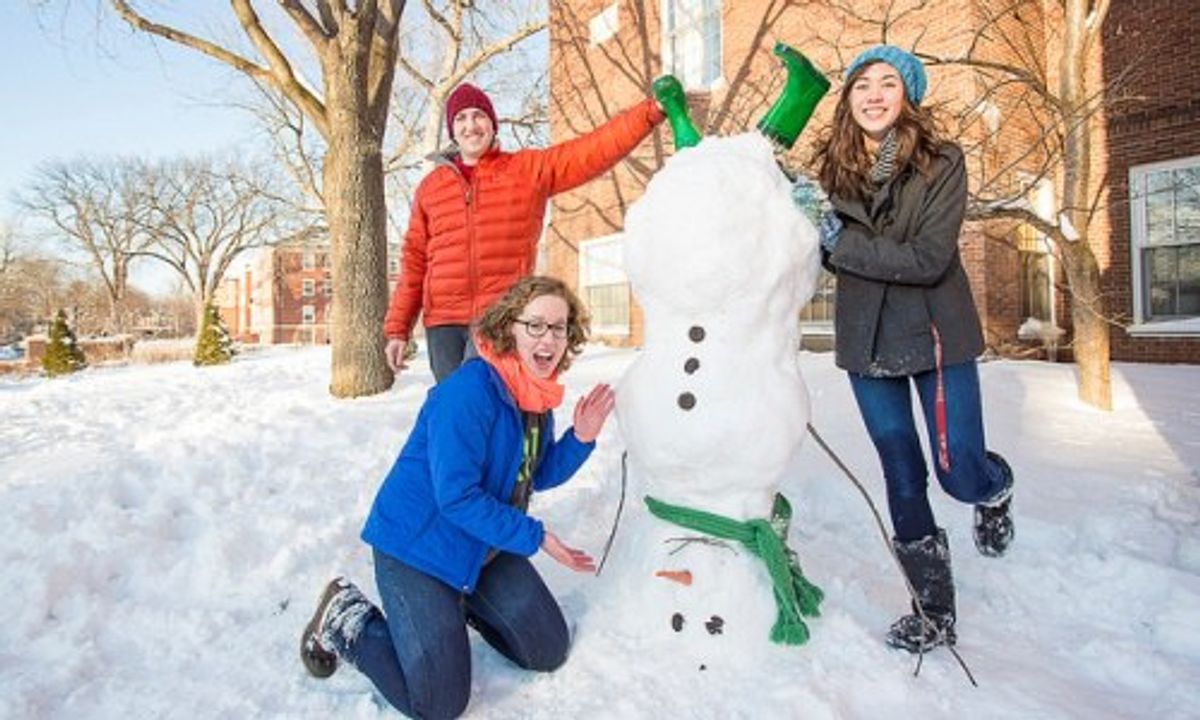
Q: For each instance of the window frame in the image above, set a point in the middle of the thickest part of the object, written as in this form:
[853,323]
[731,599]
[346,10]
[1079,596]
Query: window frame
[587,249]
[1138,179]
[670,34]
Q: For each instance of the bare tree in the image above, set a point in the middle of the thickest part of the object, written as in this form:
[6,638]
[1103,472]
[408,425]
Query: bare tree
[452,41]
[32,287]
[355,45]
[93,207]
[202,216]
[1031,61]
[442,44]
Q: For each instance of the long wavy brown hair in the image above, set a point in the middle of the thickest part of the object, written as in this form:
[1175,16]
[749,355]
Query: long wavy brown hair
[496,323]
[844,162]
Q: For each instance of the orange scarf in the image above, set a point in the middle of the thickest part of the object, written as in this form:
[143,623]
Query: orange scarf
[533,394]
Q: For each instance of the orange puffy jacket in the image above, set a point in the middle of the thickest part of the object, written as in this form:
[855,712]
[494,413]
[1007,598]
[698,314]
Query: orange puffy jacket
[467,243]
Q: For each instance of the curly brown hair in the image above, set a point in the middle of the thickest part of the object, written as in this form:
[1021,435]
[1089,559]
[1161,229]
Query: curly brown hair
[844,162]
[496,323]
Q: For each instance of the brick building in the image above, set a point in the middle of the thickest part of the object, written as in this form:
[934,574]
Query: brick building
[285,295]
[1145,230]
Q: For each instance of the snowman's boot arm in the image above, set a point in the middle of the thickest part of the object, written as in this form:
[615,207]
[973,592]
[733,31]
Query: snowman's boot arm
[803,89]
[673,101]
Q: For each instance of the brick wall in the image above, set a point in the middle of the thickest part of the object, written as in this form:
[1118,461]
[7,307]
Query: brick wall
[1149,63]
[290,276]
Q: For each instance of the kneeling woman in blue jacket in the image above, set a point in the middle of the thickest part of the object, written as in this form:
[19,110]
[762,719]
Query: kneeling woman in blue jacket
[449,528]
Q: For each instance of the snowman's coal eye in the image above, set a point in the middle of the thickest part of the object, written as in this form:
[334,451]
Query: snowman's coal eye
[677,622]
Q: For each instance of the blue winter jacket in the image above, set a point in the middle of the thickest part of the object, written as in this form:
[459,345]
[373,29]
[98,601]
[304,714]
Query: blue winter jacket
[446,501]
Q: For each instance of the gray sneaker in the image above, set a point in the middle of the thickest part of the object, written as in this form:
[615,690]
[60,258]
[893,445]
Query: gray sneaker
[342,610]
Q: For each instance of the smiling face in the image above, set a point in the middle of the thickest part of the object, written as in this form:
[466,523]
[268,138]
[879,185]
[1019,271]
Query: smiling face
[541,355]
[474,134]
[876,99]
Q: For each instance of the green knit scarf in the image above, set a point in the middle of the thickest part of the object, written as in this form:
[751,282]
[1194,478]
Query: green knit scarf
[795,596]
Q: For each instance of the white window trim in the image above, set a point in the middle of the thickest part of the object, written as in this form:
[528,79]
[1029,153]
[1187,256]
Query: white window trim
[584,257]
[308,288]
[668,59]
[604,25]
[308,315]
[1137,225]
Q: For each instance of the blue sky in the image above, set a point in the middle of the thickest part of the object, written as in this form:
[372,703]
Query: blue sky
[69,94]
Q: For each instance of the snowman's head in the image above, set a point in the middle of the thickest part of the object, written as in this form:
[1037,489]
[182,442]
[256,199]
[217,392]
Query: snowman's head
[716,228]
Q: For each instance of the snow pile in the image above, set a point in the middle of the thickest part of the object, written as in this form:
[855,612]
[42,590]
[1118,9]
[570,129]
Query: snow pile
[167,531]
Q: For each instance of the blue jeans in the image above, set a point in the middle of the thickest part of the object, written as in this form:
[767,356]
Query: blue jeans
[416,652]
[886,408]
[449,346]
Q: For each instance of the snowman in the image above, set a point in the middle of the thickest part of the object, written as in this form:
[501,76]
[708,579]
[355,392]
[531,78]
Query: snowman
[714,409]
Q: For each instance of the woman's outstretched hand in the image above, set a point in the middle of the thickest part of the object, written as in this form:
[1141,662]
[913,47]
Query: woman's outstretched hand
[577,560]
[592,410]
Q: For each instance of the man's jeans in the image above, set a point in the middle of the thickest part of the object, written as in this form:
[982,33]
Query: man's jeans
[419,656]
[449,346]
[886,408]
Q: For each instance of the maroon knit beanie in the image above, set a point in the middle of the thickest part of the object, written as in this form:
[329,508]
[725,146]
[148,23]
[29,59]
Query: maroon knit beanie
[468,96]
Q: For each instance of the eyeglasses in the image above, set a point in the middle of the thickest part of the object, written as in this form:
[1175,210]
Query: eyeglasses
[538,328]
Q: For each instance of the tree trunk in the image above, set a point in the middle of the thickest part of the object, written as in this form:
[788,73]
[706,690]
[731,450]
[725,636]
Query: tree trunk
[1091,337]
[354,205]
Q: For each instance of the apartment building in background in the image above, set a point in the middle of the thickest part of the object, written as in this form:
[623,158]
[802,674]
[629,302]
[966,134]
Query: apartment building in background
[285,295]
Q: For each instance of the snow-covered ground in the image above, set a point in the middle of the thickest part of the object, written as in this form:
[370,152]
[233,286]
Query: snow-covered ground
[167,530]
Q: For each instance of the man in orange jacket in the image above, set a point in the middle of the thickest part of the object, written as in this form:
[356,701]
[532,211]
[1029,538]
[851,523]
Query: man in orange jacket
[477,216]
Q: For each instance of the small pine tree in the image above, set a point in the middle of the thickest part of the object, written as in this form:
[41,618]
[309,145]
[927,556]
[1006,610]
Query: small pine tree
[63,355]
[213,344]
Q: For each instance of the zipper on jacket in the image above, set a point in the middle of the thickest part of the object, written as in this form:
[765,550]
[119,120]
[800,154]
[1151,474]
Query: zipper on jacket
[472,260]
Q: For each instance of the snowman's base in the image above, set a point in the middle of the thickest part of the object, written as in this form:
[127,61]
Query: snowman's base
[694,603]
[795,596]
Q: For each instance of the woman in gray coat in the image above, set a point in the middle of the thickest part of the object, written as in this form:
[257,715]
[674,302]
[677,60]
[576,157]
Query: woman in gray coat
[905,319]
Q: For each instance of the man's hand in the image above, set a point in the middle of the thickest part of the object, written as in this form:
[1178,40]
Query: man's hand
[577,560]
[592,411]
[394,352]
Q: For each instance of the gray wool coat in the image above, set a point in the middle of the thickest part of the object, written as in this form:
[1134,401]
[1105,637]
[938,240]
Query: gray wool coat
[899,273]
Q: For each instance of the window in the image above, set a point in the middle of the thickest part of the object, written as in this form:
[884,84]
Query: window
[328,287]
[604,287]
[307,288]
[1165,243]
[309,261]
[817,316]
[308,314]
[692,41]
[604,25]
[393,266]
[1035,279]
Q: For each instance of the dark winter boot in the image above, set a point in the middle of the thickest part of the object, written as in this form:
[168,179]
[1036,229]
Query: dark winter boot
[993,519]
[926,562]
[341,614]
